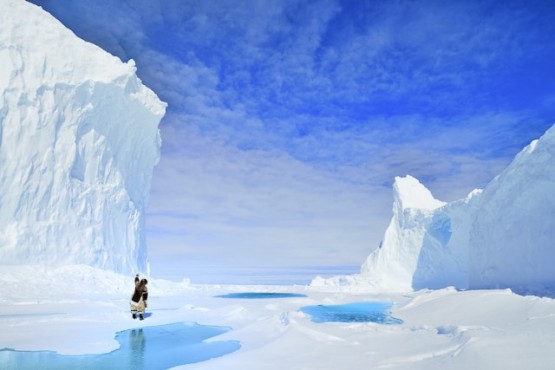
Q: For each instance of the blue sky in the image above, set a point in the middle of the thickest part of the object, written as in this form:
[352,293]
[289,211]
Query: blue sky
[288,120]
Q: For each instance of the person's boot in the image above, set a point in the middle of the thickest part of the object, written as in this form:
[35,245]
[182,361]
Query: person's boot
[141,316]
[134,316]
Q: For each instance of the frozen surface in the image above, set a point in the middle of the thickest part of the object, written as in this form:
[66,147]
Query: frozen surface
[151,347]
[501,237]
[77,310]
[260,295]
[378,312]
[78,142]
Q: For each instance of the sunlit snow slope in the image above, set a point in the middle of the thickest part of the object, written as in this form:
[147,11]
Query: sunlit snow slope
[78,142]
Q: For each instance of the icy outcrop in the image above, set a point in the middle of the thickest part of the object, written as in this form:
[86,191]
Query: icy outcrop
[413,215]
[512,241]
[501,237]
[424,245]
[78,142]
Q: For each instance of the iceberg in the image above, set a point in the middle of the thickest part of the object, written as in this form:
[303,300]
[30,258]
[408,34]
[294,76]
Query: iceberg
[79,140]
[425,244]
[512,239]
[499,237]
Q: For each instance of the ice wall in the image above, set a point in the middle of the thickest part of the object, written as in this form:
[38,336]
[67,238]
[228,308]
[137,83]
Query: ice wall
[78,142]
[425,243]
[501,237]
[413,215]
[512,241]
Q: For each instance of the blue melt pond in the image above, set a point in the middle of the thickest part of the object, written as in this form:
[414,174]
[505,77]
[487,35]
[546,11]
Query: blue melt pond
[255,295]
[154,347]
[378,312]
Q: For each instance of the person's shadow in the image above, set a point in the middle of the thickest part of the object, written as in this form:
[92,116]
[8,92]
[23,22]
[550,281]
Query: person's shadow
[147,314]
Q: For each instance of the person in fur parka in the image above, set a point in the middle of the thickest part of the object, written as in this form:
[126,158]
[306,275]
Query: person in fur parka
[139,299]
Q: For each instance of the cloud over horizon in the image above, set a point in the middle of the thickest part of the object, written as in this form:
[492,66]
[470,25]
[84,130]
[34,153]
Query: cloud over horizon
[288,120]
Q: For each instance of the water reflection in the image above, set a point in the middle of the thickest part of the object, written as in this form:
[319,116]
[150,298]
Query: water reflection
[137,353]
[153,347]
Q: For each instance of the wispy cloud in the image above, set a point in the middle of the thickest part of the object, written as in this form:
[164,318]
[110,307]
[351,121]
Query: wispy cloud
[288,120]
[257,207]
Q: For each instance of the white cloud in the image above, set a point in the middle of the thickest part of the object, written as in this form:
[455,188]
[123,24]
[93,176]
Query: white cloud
[256,207]
[287,121]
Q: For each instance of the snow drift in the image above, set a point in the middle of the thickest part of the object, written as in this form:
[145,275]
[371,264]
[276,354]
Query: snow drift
[501,237]
[78,142]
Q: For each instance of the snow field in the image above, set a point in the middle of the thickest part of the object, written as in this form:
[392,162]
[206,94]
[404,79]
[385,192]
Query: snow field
[481,329]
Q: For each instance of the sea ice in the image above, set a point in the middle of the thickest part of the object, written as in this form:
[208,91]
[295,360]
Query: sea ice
[150,347]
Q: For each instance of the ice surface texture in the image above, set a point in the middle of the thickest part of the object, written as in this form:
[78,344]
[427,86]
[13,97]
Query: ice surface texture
[78,142]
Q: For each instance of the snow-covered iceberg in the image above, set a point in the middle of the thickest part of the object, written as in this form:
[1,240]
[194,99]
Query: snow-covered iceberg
[78,142]
[426,242]
[512,239]
[501,237]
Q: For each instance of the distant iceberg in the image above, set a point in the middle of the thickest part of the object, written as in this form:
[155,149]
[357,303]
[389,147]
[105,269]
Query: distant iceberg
[501,237]
[79,140]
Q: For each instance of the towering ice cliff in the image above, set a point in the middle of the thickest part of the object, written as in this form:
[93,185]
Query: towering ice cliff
[512,239]
[78,142]
[501,237]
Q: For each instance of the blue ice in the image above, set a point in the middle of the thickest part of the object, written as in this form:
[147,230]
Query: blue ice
[378,312]
[260,295]
[153,347]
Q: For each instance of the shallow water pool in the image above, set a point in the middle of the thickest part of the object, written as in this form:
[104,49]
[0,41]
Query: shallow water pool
[153,347]
[378,312]
[260,295]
